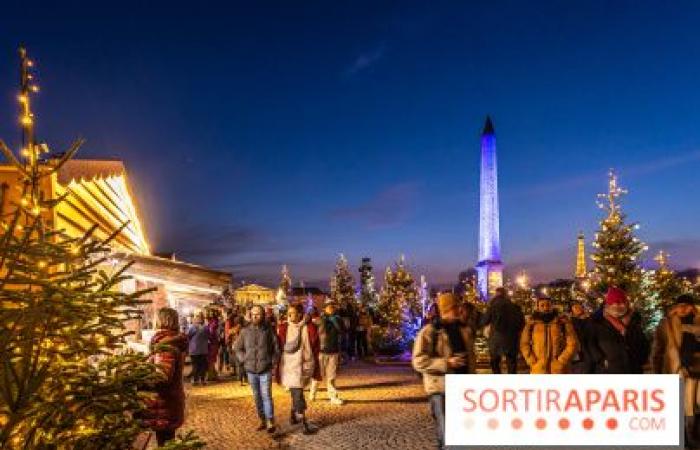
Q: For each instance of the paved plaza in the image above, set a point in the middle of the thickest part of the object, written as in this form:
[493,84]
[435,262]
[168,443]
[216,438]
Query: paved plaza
[385,409]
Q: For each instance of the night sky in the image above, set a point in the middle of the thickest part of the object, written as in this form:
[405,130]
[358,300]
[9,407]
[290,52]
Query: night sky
[267,133]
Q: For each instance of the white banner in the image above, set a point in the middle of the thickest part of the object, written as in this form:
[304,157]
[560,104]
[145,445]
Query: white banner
[546,410]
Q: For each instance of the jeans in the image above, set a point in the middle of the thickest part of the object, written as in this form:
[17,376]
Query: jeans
[511,361]
[199,367]
[298,402]
[261,384]
[437,408]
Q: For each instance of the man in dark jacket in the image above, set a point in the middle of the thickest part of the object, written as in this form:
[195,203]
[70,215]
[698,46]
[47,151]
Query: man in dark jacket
[330,328]
[581,363]
[616,341]
[258,348]
[506,322]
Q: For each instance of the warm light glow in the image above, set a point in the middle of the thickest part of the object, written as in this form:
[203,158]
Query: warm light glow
[26,120]
[522,280]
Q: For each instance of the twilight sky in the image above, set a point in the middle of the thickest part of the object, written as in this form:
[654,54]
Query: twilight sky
[263,133]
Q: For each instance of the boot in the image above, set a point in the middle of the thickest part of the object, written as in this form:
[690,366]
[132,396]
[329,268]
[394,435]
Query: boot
[293,418]
[271,428]
[262,425]
[307,428]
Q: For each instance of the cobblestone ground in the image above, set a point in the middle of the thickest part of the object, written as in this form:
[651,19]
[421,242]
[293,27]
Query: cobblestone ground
[385,409]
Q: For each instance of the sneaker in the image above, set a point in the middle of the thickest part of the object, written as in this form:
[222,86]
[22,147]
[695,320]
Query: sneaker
[271,428]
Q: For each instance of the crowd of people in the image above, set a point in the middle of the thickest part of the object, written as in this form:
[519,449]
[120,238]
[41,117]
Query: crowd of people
[294,347]
[302,348]
[609,341]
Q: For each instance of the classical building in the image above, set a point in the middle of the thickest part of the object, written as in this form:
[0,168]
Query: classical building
[254,294]
[490,267]
[100,196]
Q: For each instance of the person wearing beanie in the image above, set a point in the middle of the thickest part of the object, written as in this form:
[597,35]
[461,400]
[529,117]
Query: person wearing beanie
[445,345]
[677,351]
[617,343]
[505,320]
[548,341]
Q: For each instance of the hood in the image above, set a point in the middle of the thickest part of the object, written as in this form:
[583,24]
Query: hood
[170,337]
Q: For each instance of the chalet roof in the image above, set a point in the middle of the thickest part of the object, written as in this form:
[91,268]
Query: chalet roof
[176,271]
[88,169]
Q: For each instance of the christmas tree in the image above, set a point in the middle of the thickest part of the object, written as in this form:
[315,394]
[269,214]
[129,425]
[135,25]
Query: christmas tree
[617,250]
[285,287]
[368,293]
[66,380]
[342,283]
[660,287]
[399,310]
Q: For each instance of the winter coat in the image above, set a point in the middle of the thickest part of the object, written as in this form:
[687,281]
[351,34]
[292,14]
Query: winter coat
[257,348]
[214,341]
[548,347]
[581,362]
[506,320]
[198,336]
[330,330]
[613,352]
[311,334]
[167,410]
[666,354]
[431,351]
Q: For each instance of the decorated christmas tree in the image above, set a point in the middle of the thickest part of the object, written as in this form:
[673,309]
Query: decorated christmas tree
[66,383]
[399,310]
[285,287]
[342,283]
[617,251]
[368,292]
[659,289]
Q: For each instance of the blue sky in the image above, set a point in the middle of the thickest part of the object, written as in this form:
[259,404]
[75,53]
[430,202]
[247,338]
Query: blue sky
[264,133]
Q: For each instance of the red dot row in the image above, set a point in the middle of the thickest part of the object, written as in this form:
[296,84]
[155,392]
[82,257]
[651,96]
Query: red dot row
[563,423]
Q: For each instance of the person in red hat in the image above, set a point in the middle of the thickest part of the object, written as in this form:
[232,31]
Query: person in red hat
[617,343]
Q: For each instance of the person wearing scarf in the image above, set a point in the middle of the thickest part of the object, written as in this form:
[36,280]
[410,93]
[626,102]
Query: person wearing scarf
[617,343]
[445,345]
[299,362]
[677,351]
[548,341]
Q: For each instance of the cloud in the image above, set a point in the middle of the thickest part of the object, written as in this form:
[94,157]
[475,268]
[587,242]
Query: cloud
[366,60]
[207,242]
[574,182]
[388,208]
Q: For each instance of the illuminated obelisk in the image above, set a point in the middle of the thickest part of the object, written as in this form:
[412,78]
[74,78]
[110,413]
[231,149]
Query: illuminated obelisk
[490,267]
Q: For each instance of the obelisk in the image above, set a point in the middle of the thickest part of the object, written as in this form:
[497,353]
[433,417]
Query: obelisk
[490,266]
